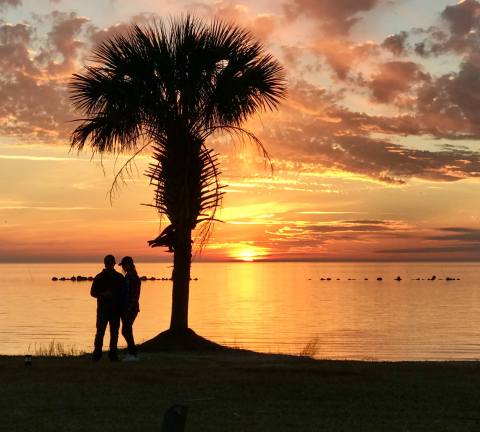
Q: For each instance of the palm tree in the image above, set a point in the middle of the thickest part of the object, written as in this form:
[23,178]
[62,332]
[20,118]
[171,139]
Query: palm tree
[171,86]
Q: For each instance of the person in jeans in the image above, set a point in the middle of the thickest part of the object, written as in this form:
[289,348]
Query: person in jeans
[107,288]
[130,306]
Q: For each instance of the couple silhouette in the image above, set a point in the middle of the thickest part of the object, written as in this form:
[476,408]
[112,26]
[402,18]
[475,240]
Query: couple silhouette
[117,301]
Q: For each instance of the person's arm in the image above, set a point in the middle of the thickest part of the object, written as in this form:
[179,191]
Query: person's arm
[133,293]
[94,290]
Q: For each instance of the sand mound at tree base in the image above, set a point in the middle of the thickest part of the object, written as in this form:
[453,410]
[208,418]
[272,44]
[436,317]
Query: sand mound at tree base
[171,340]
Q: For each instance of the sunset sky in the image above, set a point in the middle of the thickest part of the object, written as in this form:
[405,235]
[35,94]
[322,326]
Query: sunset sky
[375,149]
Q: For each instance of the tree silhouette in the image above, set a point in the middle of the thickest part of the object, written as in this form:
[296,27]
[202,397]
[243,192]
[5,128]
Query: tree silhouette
[171,86]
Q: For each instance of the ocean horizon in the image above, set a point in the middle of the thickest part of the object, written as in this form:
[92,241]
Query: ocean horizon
[256,260]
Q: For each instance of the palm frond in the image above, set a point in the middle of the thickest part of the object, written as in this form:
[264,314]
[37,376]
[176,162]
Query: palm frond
[124,171]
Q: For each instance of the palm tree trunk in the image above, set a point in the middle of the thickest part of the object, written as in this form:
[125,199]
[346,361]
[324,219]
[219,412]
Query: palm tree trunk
[182,259]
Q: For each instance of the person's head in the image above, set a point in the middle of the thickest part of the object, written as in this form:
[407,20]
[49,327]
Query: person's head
[109,261]
[127,264]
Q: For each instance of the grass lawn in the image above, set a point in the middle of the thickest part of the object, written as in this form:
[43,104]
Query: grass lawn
[238,392]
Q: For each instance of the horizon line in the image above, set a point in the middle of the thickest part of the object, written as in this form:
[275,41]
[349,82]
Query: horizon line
[255,261]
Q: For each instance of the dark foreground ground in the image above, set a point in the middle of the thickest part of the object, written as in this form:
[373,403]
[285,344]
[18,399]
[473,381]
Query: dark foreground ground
[238,392]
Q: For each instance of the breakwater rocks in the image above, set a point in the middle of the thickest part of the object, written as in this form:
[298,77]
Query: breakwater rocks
[73,278]
[90,278]
[398,279]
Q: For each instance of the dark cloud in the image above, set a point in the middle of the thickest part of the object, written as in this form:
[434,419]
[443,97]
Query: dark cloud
[393,163]
[396,44]
[365,228]
[293,237]
[462,17]
[467,241]
[420,49]
[358,226]
[6,3]
[458,230]
[459,33]
[474,248]
[15,41]
[365,222]
[449,104]
[320,134]
[335,17]
[457,234]
[395,80]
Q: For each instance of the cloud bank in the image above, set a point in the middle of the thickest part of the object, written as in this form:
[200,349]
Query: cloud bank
[352,102]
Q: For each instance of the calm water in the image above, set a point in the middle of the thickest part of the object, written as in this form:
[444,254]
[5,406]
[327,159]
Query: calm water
[270,307]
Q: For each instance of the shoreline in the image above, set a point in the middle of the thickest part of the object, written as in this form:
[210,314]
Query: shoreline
[238,352]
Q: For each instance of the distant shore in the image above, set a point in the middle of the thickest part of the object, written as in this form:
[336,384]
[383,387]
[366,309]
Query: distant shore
[238,391]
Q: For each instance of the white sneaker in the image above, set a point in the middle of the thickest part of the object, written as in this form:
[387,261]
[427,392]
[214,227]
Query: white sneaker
[130,358]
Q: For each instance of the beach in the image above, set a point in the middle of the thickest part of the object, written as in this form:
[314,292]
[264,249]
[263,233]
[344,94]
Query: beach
[238,391]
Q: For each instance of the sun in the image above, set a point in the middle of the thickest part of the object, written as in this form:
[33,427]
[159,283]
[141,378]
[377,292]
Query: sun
[248,255]
[247,252]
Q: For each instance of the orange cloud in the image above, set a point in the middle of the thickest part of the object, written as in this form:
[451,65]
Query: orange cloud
[334,17]
[395,81]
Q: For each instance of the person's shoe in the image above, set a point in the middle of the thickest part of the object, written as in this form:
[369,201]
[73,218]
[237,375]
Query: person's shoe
[113,357]
[130,358]
[96,357]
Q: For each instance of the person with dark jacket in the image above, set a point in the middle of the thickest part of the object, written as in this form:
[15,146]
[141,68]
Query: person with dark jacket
[130,305]
[107,288]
